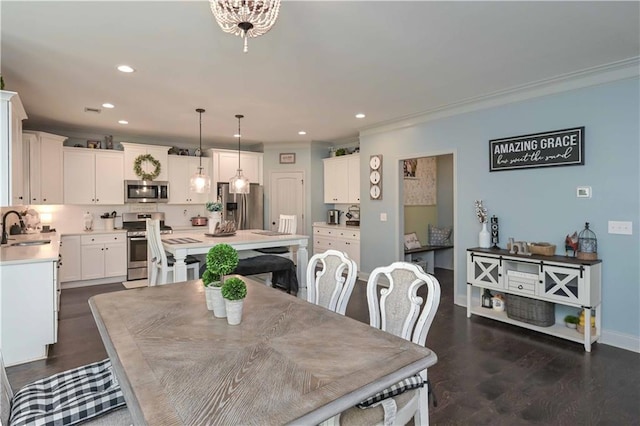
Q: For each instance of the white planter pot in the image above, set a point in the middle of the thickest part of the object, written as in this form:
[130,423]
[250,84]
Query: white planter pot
[234,311]
[214,219]
[208,292]
[219,309]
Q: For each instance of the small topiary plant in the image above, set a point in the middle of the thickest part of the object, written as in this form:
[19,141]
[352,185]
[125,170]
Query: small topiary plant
[222,259]
[571,319]
[234,289]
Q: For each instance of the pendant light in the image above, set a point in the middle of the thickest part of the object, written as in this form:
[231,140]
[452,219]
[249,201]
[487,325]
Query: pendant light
[200,182]
[239,184]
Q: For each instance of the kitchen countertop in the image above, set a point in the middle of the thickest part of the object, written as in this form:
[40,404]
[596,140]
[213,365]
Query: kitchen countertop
[14,255]
[341,226]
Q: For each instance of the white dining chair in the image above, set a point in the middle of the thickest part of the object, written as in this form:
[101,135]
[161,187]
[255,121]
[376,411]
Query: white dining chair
[331,277]
[287,224]
[400,311]
[161,264]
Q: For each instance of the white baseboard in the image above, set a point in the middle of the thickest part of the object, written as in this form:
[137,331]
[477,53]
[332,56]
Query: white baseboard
[100,281]
[620,340]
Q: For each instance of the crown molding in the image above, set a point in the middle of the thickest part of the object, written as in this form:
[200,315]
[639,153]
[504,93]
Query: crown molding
[602,74]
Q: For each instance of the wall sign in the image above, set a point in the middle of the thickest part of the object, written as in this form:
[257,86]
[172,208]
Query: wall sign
[555,148]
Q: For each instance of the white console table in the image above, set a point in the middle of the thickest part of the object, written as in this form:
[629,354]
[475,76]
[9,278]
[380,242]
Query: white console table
[558,279]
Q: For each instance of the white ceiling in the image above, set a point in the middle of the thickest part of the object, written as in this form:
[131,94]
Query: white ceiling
[322,62]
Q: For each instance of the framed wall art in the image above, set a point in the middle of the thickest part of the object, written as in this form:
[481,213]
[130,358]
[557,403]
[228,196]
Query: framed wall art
[287,158]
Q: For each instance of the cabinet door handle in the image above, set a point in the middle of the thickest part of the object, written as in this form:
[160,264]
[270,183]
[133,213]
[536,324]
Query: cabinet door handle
[520,287]
[101,249]
[97,199]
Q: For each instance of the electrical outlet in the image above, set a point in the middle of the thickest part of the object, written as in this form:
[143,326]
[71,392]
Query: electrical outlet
[620,227]
[383,217]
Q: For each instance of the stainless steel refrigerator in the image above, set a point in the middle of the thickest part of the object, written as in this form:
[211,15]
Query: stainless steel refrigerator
[246,210]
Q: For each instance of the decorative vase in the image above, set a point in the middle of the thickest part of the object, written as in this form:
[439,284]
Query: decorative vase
[234,311]
[208,292]
[217,302]
[484,237]
[214,219]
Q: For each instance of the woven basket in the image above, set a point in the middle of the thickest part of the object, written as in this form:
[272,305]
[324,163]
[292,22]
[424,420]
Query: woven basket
[532,311]
[543,249]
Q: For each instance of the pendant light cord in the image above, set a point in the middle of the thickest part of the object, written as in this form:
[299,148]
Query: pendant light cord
[239,116]
[200,111]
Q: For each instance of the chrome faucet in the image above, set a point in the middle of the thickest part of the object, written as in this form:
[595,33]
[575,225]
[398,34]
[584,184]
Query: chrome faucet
[4,225]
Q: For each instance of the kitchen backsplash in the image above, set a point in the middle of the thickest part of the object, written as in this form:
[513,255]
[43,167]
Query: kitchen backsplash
[70,218]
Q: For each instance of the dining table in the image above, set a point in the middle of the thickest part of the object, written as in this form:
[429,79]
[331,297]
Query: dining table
[183,244]
[287,362]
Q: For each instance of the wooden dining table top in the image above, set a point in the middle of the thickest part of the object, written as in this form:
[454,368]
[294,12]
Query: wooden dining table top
[288,362]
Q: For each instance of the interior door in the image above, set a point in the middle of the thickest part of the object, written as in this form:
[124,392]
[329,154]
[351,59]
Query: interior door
[287,197]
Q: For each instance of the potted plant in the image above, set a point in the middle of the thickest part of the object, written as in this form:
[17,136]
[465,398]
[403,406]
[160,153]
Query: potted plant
[215,214]
[571,321]
[222,259]
[234,290]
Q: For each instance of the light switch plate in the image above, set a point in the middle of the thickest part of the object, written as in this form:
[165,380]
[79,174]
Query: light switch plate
[583,192]
[383,217]
[620,227]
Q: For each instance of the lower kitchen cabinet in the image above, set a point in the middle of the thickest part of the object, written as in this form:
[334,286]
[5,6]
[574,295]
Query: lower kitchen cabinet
[70,259]
[103,255]
[28,311]
[342,238]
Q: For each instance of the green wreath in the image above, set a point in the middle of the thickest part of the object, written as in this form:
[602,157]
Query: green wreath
[137,167]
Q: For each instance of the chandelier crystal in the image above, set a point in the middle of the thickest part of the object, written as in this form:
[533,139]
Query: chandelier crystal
[239,184]
[245,18]
[200,182]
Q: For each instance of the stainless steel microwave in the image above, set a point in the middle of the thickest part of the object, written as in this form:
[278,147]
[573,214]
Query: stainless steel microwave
[146,191]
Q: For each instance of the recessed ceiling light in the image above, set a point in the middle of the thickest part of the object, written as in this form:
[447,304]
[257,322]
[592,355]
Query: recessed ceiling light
[360,115]
[125,68]
[302,133]
[108,105]
[123,122]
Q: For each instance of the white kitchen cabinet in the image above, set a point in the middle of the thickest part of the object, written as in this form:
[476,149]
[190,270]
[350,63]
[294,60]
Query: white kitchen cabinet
[336,237]
[225,166]
[11,154]
[93,176]
[103,255]
[44,163]
[342,179]
[28,310]
[181,168]
[70,259]
[557,279]
[134,150]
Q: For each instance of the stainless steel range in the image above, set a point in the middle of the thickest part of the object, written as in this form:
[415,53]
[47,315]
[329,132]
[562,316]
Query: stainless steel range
[136,226]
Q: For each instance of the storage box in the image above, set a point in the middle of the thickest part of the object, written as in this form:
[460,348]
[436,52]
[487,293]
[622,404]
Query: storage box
[532,311]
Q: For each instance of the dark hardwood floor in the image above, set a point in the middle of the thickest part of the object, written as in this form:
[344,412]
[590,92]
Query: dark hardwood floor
[488,373]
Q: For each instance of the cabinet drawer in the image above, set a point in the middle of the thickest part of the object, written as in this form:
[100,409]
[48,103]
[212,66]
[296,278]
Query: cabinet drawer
[103,238]
[349,234]
[352,234]
[329,232]
[325,243]
[522,282]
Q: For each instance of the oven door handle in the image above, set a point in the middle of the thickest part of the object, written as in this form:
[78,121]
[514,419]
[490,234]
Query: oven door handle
[138,238]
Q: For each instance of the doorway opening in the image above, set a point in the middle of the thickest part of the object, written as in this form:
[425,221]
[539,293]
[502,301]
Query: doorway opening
[427,209]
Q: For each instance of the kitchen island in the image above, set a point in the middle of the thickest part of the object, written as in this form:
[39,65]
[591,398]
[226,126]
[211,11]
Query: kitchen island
[29,295]
[247,239]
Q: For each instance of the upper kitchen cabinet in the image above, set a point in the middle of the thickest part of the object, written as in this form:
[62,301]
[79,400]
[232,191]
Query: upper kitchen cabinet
[342,179]
[134,150]
[181,168]
[11,168]
[93,176]
[43,161]
[225,165]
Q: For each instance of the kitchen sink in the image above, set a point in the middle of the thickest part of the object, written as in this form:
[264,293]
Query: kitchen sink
[32,243]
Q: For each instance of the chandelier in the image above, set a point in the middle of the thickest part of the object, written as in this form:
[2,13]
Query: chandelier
[245,18]
[200,182]
[239,184]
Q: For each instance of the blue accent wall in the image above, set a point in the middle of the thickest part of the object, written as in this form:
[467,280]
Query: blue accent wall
[533,204]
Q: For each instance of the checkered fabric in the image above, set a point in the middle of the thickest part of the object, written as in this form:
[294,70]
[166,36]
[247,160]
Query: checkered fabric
[404,385]
[68,398]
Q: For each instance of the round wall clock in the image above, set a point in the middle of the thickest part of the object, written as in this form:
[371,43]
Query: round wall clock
[375,177]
